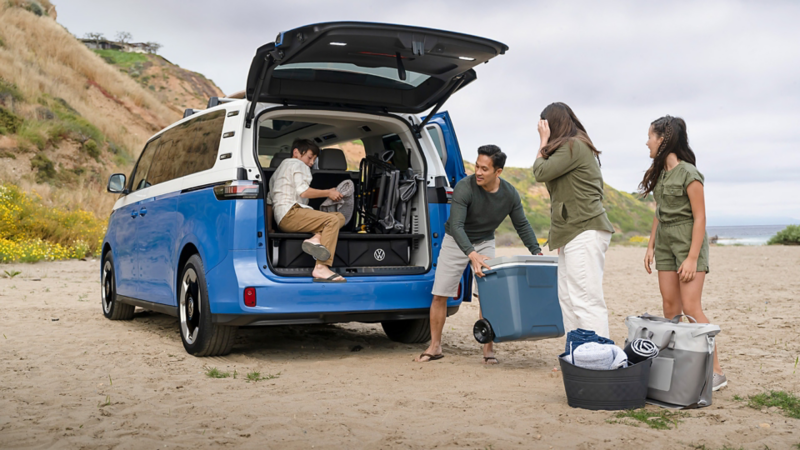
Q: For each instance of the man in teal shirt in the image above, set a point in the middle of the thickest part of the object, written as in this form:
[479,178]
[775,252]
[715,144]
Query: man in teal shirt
[480,203]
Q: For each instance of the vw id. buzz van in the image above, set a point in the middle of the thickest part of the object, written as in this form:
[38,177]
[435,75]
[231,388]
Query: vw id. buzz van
[189,235]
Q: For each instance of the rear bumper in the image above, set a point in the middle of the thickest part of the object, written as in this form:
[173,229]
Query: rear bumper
[256,320]
[296,300]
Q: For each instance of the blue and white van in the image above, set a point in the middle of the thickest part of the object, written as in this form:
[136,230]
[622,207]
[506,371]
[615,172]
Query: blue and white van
[189,237]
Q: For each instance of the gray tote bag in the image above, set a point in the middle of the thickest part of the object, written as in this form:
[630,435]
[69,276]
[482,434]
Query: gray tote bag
[682,374]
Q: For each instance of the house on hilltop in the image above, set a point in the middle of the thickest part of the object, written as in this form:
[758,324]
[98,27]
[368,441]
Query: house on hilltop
[129,47]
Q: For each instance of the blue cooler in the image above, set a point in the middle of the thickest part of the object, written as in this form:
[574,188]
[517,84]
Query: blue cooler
[519,300]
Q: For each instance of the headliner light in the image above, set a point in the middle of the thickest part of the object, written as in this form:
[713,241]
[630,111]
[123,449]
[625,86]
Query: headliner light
[339,44]
[466,58]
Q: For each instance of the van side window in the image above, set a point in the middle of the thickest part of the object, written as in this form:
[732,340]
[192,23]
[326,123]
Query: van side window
[202,153]
[139,179]
[188,148]
[436,137]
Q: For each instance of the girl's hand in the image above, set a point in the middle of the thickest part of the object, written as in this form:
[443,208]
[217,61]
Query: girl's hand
[687,270]
[648,260]
[544,132]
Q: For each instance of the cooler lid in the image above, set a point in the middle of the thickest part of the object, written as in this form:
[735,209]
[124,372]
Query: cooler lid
[521,259]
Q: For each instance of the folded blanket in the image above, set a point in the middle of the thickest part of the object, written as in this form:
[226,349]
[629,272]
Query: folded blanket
[596,356]
[345,205]
[576,338]
[641,350]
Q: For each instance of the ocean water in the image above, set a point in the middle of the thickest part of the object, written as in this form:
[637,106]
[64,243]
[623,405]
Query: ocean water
[745,235]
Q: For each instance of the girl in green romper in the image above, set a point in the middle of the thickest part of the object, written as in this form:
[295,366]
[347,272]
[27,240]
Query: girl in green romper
[678,240]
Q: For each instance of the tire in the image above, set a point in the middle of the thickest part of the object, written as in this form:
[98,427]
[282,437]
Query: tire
[200,336]
[112,309]
[414,331]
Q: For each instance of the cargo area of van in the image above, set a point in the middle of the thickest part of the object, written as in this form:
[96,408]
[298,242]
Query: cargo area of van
[387,233]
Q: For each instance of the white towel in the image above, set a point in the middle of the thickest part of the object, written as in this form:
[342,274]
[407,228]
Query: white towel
[595,356]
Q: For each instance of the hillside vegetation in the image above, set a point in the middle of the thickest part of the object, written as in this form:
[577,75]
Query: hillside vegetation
[70,117]
[173,86]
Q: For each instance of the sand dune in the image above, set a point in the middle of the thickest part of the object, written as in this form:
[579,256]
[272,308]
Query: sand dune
[82,381]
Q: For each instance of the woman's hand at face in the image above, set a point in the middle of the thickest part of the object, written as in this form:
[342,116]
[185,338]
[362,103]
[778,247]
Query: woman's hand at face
[544,132]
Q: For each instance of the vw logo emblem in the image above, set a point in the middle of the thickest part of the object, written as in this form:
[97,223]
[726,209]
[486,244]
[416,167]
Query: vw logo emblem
[379,254]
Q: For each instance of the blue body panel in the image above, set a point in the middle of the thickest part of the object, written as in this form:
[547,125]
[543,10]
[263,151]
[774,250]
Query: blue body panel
[156,234]
[455,163]
[122,229]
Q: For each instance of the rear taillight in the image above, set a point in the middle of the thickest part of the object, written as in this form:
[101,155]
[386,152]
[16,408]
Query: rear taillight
[250,297]
[237,190]
[449,193]
[458,295]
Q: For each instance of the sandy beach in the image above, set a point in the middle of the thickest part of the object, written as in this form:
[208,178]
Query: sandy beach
[69,378]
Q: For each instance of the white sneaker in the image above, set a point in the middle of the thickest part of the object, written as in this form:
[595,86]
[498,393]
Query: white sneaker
[720,381]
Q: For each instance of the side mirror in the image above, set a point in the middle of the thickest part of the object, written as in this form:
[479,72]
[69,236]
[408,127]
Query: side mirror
[116,184]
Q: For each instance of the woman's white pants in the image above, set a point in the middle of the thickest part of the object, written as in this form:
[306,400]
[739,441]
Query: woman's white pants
[580,282]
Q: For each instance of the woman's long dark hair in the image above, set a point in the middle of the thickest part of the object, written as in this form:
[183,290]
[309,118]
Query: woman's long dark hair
[676,140]
[564,127]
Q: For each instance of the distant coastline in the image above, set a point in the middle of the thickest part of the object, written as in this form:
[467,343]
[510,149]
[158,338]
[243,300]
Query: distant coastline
[744,234]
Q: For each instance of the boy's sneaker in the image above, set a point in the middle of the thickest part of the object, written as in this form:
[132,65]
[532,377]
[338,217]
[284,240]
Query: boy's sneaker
[720,381]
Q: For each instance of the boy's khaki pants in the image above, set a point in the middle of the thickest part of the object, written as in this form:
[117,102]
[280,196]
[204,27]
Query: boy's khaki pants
[304,220]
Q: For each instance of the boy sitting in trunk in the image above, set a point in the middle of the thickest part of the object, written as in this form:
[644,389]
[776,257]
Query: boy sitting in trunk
[289,191]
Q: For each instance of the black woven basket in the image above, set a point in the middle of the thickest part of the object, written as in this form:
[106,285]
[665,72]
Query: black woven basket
[606,389]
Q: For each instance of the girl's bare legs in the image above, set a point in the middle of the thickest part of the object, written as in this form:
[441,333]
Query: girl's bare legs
[684,298]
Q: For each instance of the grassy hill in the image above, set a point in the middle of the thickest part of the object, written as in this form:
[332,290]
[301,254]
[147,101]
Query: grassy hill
[70,117]
[630,216]
[173,86]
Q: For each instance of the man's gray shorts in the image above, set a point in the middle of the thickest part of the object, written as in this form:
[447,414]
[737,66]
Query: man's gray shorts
[451,264]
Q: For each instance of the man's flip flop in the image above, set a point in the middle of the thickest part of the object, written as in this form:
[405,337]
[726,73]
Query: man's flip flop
[486,360]
[318,251]
[331,279]
[430,357]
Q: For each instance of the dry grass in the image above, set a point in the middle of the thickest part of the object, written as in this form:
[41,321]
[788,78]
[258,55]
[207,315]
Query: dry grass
[42,60]
[40,56]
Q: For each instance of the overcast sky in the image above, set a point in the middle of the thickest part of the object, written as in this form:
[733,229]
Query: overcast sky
[730,69]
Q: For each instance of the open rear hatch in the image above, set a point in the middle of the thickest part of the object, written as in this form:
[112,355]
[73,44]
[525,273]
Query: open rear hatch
[358,65]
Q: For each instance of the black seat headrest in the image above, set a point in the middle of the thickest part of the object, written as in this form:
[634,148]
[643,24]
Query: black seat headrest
[278,158]
[332,159]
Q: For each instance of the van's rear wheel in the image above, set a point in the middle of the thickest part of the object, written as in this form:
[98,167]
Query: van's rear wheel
[112,309]
[200,336]
[414,331]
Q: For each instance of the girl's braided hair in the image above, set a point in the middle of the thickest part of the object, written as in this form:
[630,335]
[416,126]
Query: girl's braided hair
[676,140]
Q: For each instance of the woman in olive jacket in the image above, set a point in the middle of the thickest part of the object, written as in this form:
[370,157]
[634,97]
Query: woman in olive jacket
[569,165]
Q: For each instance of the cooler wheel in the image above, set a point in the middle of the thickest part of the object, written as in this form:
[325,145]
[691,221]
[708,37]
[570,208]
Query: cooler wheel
[483,331]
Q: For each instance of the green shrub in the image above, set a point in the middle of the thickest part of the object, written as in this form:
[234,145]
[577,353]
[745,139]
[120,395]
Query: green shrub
[35,8]
[9,90]
[33,132]
[9,122]
[91,148]
[788,236]
[44,167]
[122,59]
